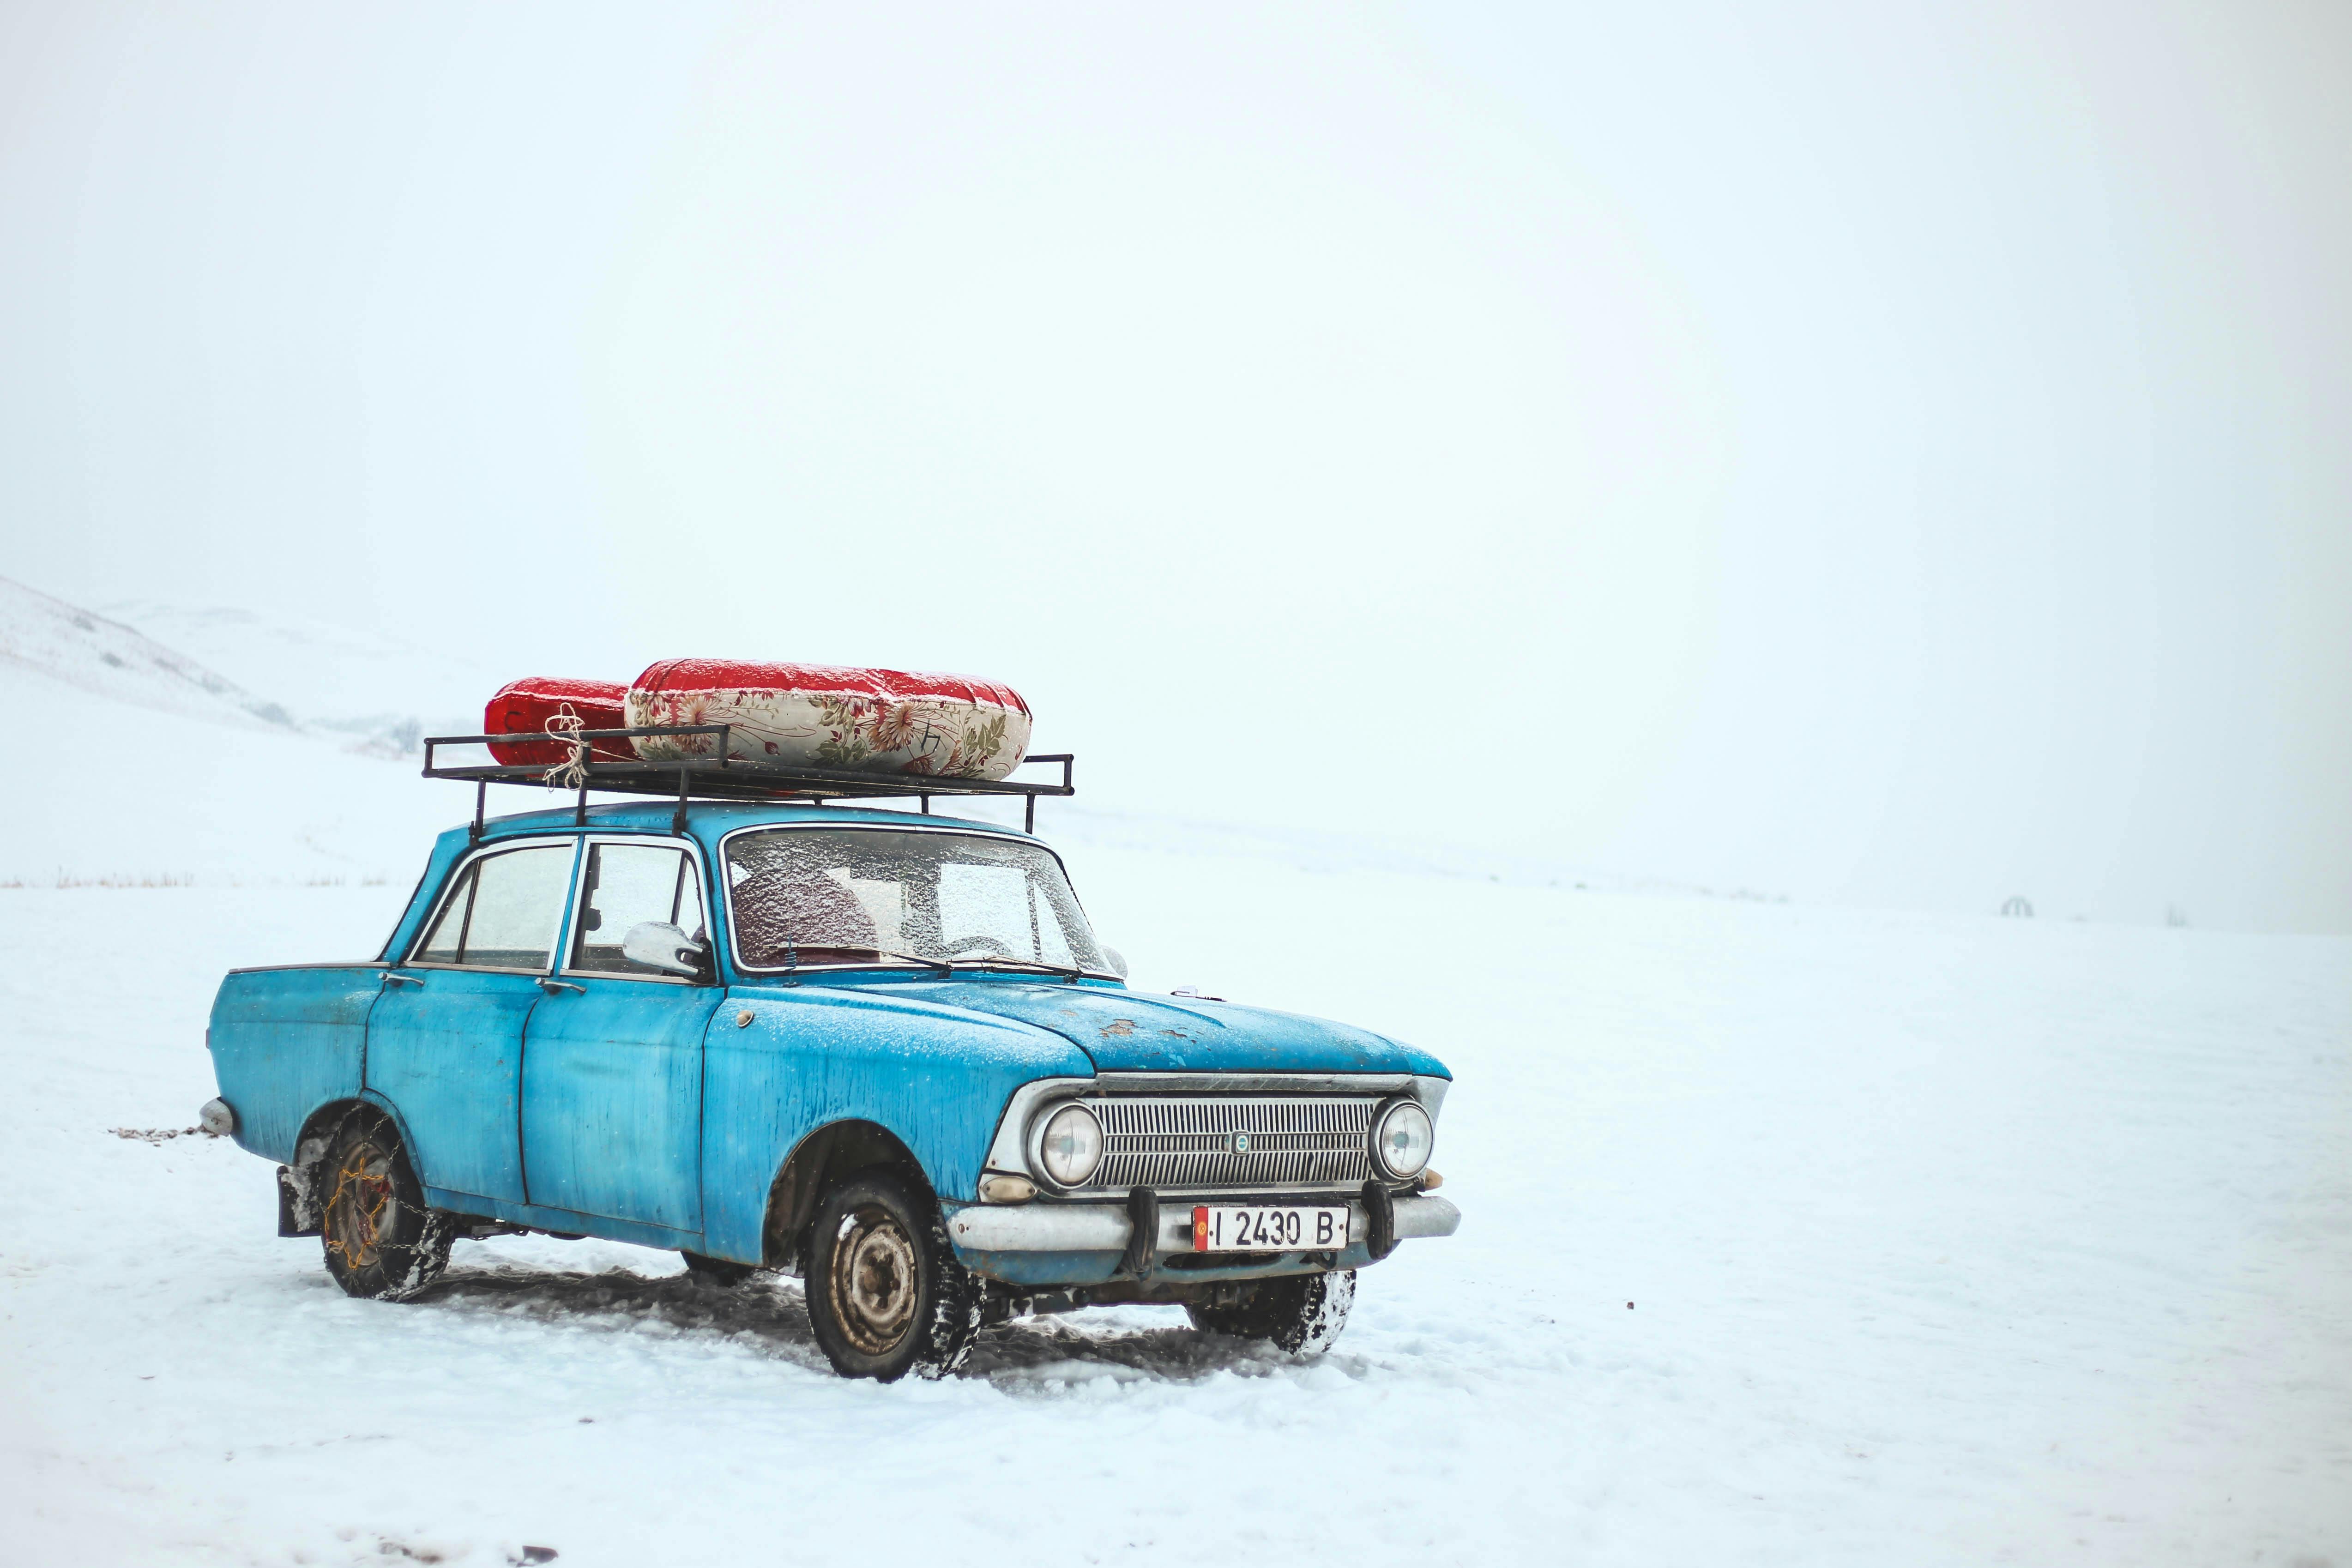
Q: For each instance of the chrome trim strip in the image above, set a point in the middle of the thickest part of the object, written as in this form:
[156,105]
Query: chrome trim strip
[1430,1089]
[1375,1084]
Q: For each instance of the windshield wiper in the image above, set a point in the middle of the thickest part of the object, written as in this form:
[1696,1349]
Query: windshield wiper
[942,965]
[949,965]
[1063,970]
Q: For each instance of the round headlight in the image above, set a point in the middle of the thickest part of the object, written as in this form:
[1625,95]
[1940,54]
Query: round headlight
[1070,1146]
[1401,1141]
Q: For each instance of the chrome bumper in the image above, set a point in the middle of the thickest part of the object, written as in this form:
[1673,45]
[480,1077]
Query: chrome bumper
[1104,1227]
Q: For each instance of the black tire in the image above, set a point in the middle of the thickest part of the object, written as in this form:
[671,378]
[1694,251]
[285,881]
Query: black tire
[381,1241]
[1300,1313]
[885,1292]
[716,1271]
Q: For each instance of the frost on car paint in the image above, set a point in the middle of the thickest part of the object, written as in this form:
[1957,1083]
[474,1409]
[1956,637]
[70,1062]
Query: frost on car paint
[807,1040]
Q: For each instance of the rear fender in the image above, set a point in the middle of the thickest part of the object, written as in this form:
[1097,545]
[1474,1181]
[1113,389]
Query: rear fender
[300,1197]
[285,1041]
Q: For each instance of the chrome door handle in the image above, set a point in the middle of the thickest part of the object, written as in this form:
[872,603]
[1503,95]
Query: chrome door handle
[390,978]
[552,986]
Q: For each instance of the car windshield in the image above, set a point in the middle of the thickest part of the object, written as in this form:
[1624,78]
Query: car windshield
[803,895]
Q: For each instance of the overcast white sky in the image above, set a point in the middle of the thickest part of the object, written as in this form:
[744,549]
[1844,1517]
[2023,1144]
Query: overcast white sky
[1887,454]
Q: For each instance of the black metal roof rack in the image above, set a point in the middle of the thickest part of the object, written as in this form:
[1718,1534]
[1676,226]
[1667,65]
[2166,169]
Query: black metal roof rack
[718,777]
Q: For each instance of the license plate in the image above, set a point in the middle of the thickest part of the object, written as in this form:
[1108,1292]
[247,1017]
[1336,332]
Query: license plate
[1267,1228]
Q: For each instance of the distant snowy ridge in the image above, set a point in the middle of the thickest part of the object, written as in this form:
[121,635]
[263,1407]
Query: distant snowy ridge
[111,660]
[376,688]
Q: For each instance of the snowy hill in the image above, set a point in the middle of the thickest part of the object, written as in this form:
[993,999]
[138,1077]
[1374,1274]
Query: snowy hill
[160,770]
[328,676]
[72,646]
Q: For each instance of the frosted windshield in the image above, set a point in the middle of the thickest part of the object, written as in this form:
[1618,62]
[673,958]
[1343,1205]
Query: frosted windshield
[803,896]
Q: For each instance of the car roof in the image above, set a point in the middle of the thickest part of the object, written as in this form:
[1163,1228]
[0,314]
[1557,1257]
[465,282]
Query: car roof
[707,818]
[707,821]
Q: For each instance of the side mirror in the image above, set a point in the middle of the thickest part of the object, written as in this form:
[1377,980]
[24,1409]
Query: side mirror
[1116,960]
[657,944]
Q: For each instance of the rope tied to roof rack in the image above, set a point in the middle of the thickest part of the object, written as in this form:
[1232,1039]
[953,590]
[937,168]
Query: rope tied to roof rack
[564,726]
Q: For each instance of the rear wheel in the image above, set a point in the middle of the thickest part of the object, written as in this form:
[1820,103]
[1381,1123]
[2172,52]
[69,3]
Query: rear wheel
[1300,1313]
[381,1240]
[885,1292]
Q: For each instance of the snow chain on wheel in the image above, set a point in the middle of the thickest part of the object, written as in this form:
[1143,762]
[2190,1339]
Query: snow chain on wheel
[885,1292]
[1300,1313]
[381,1240]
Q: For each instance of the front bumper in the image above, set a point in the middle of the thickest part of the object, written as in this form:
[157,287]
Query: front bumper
[1077,1244]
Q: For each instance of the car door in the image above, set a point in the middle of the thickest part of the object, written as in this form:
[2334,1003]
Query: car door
[445,1041]
[611,1079]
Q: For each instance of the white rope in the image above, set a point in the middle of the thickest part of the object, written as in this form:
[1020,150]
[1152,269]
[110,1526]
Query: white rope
[563,727]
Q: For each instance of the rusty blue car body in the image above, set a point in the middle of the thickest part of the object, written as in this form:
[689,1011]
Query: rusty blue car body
[707,1111]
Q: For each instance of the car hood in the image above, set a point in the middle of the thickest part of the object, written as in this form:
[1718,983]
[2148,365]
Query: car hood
[1134,1031]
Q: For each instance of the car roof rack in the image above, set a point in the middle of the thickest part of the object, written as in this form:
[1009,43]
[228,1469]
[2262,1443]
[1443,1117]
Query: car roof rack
[718,777]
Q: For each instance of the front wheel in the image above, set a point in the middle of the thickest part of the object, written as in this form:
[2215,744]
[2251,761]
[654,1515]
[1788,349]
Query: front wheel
[1300,1313]
[885,1292]
[381,1241]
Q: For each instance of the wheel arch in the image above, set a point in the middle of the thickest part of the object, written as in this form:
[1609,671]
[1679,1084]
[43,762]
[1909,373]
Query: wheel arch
[300,1200]
[309,1142]
[821,1161]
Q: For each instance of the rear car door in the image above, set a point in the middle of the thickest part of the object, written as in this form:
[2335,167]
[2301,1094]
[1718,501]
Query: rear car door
[611,1083]
[445,1041]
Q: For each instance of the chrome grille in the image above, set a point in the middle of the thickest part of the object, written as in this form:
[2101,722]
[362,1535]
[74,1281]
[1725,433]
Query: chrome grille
[1181,1143]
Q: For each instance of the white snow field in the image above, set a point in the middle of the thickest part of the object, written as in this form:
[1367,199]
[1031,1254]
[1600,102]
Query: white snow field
[1792,1235]
[1944,1241]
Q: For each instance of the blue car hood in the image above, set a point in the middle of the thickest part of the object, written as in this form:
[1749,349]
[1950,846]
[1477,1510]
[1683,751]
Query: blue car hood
[1132,1031]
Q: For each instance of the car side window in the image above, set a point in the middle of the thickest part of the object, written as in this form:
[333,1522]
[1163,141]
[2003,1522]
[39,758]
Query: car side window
[504,912]
[625,885]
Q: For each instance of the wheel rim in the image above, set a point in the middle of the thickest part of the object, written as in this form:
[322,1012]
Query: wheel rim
[359,1210]
[873,1280]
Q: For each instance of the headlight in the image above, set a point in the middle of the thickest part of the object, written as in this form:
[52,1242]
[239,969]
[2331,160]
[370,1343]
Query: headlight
[1401,1139]
[1070,1145]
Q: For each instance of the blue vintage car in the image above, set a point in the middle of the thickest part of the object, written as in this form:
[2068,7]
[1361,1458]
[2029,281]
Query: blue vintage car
[879,1050]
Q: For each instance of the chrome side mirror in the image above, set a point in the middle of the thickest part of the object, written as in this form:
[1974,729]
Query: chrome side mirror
[657,944]
[1116,960]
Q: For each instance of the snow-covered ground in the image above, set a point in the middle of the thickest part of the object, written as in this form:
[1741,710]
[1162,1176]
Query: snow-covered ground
[1792,1234]
[1944,1241]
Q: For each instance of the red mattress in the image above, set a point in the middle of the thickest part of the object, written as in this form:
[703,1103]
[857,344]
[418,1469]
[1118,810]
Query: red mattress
[523,708]
[826,716]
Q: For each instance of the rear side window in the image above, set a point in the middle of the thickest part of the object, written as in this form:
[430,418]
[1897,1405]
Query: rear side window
[628,884]
[504,912]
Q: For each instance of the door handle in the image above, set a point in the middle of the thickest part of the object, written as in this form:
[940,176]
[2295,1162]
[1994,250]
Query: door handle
[552,986]
[394,978]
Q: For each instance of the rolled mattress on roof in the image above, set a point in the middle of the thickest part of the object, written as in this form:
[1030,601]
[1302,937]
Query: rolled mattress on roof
[823,716]
[523,708]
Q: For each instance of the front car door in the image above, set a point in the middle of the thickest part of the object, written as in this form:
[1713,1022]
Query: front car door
[611,1079]
[444,1040]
